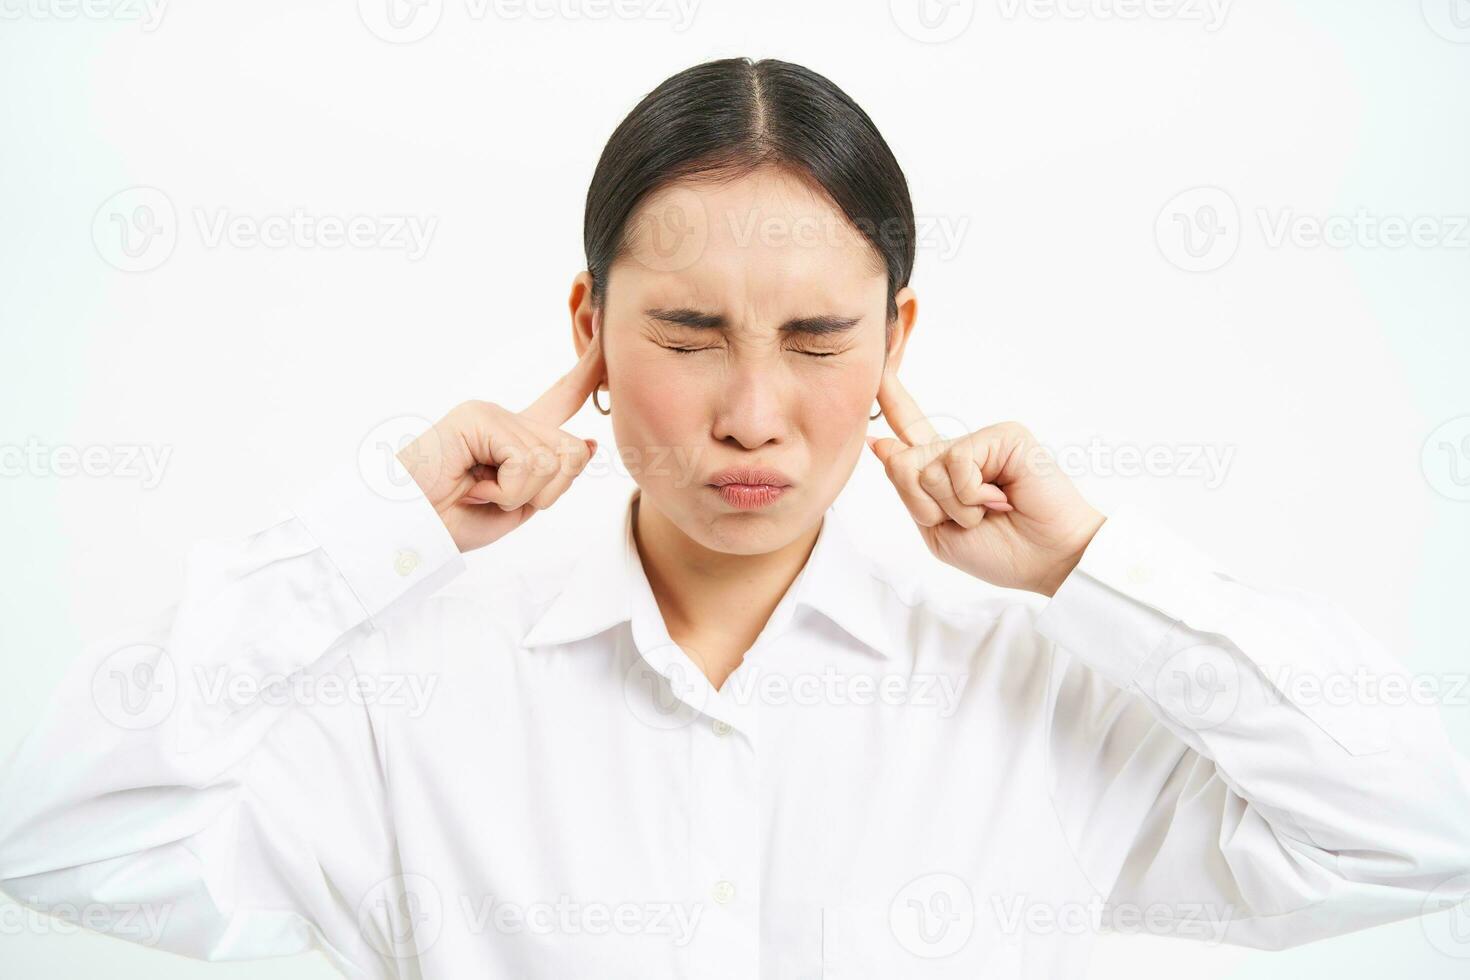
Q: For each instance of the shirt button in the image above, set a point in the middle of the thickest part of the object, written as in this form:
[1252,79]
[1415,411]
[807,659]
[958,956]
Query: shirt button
[724,892]
[721,728]
[1140,575]
[405,562]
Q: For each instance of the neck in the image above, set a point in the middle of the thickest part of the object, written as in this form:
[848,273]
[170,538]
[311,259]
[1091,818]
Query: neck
[714,604]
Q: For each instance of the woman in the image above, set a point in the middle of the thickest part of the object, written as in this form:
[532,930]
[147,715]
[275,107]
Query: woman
[725,742]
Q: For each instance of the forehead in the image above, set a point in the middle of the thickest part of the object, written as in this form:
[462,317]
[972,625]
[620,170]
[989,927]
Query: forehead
[767,239]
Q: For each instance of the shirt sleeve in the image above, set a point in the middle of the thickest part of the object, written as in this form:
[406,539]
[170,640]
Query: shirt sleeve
[208,782]
[1241,763]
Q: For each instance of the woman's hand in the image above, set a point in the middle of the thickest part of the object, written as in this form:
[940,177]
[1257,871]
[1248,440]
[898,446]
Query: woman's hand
[487,469]
[991,503]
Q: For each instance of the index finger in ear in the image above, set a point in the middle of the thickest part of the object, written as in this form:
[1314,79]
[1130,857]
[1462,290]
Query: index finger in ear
[902,412]
[569,393]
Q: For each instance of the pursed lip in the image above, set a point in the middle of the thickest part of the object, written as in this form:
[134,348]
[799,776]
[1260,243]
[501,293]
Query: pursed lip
[750,476]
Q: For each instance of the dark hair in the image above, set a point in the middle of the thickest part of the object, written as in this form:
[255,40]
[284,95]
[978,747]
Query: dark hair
[723,119]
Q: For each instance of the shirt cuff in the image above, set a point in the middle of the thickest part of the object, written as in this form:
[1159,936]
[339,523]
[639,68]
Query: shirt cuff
[383,544]
[1135,583]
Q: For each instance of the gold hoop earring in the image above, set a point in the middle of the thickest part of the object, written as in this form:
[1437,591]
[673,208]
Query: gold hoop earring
[598,405]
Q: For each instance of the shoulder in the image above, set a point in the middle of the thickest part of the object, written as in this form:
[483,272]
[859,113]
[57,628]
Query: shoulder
[957,621]
[499,596]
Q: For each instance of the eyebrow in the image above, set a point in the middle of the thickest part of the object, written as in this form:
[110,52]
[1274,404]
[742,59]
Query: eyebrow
[812,326]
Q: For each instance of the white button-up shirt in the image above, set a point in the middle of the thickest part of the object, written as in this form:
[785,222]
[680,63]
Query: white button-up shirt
[328,743]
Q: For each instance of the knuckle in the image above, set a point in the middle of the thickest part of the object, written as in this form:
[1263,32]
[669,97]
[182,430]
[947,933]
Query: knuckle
[543,459]
[475,407]
[575,448]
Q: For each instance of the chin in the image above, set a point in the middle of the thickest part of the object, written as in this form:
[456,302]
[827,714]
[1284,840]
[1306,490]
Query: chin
[749,531]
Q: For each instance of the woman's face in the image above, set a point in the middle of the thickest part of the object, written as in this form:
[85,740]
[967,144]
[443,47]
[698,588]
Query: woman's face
[744,328]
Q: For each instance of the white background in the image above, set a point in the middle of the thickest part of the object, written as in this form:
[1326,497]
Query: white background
[1046,148]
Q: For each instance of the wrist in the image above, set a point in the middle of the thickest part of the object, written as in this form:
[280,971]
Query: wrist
[1070,555]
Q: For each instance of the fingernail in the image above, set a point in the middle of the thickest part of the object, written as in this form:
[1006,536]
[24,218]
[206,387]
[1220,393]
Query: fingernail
[999,505]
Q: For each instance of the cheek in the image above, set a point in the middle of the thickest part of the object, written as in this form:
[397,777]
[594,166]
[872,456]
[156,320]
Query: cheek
[836,410]
[654,400]
[852,391]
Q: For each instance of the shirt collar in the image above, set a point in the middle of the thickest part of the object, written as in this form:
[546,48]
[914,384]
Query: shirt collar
[607,586]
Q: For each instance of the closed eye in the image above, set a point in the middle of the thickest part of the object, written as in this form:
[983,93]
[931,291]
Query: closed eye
[696,350]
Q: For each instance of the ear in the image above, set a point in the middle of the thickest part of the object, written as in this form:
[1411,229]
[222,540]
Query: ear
[907,302]
[580,304]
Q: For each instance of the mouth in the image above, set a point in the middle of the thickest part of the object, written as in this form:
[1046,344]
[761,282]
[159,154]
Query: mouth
[750,488]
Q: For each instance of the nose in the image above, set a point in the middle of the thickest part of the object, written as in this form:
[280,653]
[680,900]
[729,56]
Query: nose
[753,407]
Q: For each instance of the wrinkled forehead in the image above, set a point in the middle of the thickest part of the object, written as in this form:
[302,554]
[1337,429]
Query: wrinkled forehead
[766,239]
